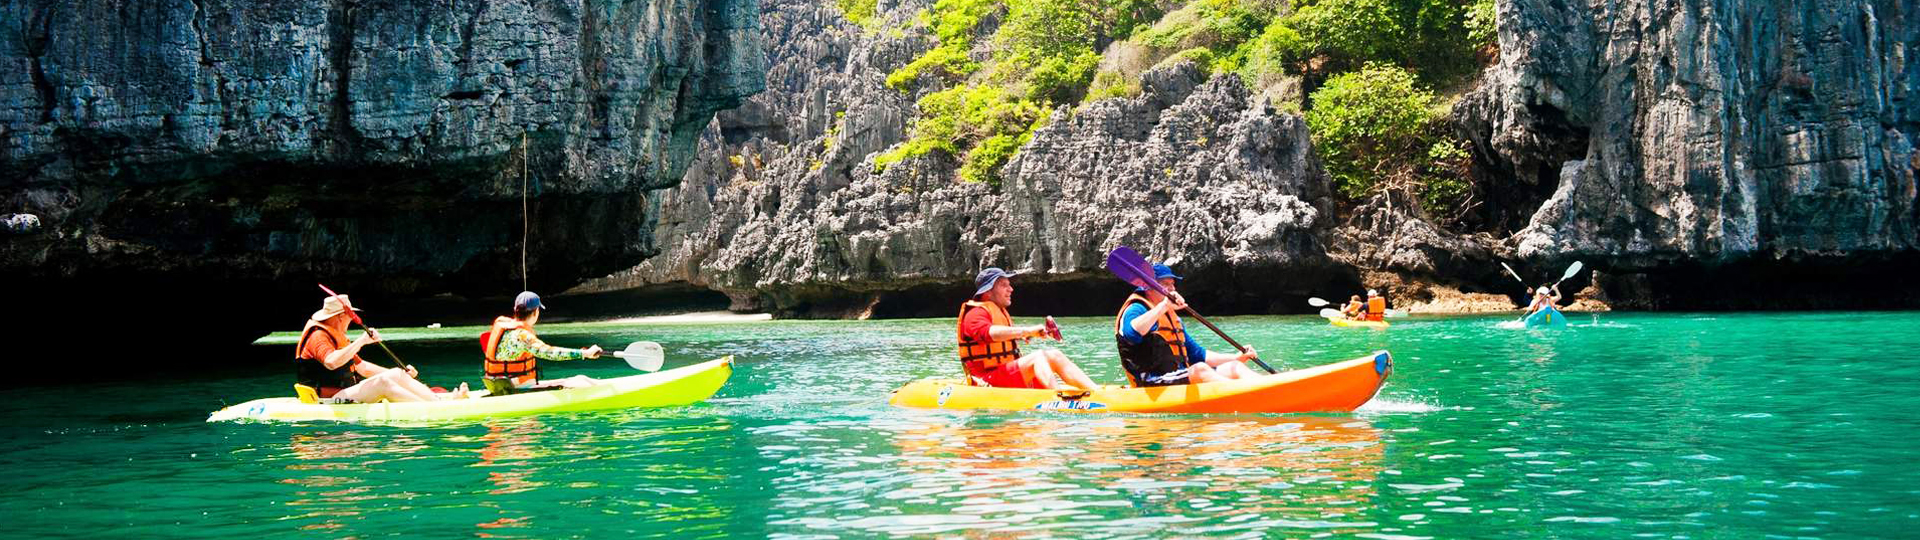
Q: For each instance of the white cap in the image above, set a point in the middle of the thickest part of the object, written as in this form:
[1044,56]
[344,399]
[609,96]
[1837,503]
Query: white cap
[1371,292]
[1543,290]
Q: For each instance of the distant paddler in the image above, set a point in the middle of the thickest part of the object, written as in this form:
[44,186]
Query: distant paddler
[1542,300]
[325,361]
[511,352]
[989,351]
[1155,348]
[1353,308]
[1376,308]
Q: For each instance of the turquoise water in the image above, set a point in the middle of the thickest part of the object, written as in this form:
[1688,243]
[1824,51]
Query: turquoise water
[1622,425]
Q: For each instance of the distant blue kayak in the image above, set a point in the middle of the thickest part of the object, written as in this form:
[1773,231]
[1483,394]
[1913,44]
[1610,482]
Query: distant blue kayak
[1547,316]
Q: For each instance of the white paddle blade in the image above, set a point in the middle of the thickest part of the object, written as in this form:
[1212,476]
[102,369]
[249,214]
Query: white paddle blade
[1331,313]
[1316,302]
[1516,275]
[1571,270]
[644,356]
[1396,313]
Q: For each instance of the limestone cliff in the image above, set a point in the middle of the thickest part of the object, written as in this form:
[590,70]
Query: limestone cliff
[1713,155]
[788,214]
[234,152]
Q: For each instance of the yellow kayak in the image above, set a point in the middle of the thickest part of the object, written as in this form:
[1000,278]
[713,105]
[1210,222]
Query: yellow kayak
[679,386]
[1340,386]
[1357,323]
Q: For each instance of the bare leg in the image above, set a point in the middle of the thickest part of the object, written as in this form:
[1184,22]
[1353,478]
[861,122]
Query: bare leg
[1036,366]
[1200,372]
[1069,371]
[1236,370]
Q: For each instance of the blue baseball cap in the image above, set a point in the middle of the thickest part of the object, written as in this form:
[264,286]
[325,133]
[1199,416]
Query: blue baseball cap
[527,301]
[1160,271]
[984,282]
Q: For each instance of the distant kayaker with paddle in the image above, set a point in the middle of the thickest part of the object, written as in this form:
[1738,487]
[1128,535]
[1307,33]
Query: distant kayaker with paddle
[1375,308]
[988,350]
[1155,348]
[510,350]
[1354,308]
[325,361]
[1543,300]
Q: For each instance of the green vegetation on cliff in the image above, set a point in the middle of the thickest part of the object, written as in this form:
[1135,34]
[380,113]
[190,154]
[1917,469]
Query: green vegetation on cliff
[1001,66]
[1041,55]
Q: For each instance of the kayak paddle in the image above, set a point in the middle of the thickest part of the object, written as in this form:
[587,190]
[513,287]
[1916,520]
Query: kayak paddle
[1316,302]
[1516,275]
[1332,313]
[363,325]
[1571,270]
[1130,267]
[643,355]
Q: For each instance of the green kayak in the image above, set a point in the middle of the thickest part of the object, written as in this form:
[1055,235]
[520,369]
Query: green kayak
[679,386]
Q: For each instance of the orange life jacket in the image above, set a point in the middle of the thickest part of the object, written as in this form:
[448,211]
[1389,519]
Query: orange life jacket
[978,357]
[1165,346]
[1376,308]
[313,372]
[1352,309]
[521,370]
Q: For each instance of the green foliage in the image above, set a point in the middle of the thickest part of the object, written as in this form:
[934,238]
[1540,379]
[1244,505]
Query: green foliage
[953,22]
[1198,55]
[1445,180]
[1428,36]
[1042,56]
[1481,27]
[1061,80]
[861,12]
[1112,84]
[1367,124]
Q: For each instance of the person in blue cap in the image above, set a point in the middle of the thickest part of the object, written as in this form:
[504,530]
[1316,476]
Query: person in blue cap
[510,350]
[1156,350]
[989,348]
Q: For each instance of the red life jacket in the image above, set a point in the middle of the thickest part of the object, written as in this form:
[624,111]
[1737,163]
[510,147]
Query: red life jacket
[521,370]
[979,357]
[313,372]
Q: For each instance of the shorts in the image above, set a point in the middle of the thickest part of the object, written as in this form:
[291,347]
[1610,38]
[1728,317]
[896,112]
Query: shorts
[1008,375]
[1171,378]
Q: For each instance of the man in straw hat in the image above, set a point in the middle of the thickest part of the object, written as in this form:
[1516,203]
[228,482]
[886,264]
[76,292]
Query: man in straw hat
[325,361]
[988,349]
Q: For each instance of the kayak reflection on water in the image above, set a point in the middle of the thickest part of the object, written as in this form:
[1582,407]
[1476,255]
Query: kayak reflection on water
[1272,469]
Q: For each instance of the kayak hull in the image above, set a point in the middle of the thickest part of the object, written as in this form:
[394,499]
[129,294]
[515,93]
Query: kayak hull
[1340,386]
[1357,323]
[680,386]
[1546,317]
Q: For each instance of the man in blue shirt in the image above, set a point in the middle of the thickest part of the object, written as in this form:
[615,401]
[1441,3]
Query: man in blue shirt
[1156,350]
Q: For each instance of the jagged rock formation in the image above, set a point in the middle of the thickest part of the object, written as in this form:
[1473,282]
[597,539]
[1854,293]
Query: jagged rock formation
[1703,153]
[237,151]
[787,213]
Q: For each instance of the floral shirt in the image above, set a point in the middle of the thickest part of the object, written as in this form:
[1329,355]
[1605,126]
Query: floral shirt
[521,341]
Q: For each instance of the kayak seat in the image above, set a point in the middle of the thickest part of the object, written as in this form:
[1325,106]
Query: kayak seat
[306,393]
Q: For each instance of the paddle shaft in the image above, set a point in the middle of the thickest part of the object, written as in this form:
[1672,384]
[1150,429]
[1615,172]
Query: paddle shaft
[1230,341]
[363,326]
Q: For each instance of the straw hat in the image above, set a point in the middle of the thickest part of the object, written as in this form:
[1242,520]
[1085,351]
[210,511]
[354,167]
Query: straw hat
[334,305]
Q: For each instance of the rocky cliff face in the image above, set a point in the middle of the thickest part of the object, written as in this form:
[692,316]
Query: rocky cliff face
[1706,153]
[786,213]
[236,151]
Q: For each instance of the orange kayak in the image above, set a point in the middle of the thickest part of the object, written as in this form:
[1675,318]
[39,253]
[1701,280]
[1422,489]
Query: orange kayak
[1340,386]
